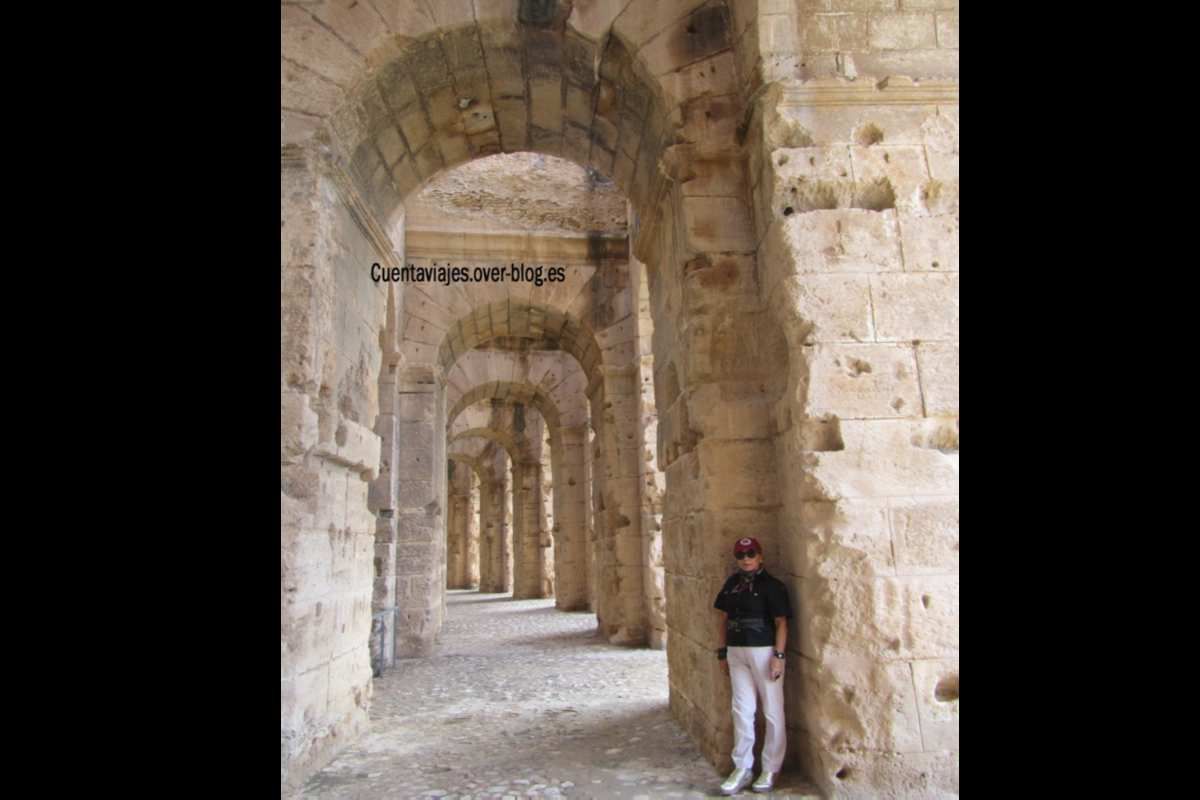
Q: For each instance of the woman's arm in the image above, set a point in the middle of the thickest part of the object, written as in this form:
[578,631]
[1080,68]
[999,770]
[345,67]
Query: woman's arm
[780,647]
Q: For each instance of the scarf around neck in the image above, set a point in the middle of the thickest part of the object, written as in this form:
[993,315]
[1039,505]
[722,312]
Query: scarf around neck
[746,580]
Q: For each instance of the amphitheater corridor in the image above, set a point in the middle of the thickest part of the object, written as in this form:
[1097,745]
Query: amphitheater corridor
[520,700]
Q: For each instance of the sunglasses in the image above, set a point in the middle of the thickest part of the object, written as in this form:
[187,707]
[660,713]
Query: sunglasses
[740,554]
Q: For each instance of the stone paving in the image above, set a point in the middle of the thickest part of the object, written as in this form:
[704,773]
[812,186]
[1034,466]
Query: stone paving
[521,700]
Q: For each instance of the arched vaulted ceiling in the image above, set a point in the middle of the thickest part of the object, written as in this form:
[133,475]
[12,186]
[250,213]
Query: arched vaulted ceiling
[409,88]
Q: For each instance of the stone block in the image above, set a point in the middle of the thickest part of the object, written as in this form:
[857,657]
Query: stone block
[840,240]
[714,413]
[510,116]
[913,617]
[838,540]
[879,458]
[938,363]
[546,103]
[777,33]
[925,532]
[703,33]
[709,178]
[304,698]
[738,474]
[835,32]
[307,42]
[947,29]
[902,31]
[594,19]
[415,127]
[454,149]
[405,177]
[462,48]
[863,381]
[919,776]
[913,306]
[298,423]
[836,307]
[717,224]
[354,446]
[716,75]
[391,146]
[428,161]
[579,106]
[936,684]
[930,244]
[889,177]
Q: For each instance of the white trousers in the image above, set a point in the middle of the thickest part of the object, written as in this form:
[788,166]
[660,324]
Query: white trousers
[750,676]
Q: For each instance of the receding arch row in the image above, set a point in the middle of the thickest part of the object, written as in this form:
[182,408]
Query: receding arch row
[545,327]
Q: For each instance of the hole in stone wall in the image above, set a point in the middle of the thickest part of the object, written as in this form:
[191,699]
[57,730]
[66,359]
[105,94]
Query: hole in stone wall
[939,434]
[815,196]
[783,159]
[926,600]
[856,367]
[821,435]
[788,211]
[876,195]
[868,135]
[946,690]
[842,773]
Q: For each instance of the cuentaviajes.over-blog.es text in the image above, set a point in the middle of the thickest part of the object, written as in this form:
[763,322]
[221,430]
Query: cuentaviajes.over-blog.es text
[445,274]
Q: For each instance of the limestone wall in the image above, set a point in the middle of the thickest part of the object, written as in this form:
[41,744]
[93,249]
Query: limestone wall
[857,192]
[330,363]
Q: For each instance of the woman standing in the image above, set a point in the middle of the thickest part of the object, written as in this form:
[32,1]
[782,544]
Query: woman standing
[753,637]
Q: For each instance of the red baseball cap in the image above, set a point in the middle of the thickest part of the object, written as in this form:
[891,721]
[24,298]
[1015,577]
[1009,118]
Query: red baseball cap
[747,542]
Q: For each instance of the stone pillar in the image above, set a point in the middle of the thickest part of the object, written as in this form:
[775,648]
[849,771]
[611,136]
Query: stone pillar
[421,557]
[495,572]
[332,323]
[719,365]
[471,578]
[531,533]
[546,544]
[527,517]
[864,281]
[591,544]
[381,499]
[652,481]
[570,521]
[457,525]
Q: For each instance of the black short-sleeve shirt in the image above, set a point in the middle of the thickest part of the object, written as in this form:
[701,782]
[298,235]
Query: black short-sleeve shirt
[752,611]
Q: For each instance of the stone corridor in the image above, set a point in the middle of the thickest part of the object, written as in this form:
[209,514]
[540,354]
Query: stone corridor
[521,700]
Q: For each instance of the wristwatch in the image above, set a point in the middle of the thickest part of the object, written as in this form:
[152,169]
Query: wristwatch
[780,654]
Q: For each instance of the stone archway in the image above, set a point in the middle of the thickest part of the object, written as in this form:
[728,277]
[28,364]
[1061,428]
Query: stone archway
[724,137]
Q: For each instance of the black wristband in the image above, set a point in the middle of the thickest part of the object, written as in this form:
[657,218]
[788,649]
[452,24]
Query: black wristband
[721,653]
[780,654]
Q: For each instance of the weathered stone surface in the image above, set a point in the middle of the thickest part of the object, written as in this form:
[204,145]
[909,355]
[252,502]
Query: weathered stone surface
[785,365]
[864,381]
[937,700]
[912,307]
[925,535]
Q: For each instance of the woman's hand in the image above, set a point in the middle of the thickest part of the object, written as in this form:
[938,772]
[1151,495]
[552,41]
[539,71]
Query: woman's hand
[725,666]
[776,668]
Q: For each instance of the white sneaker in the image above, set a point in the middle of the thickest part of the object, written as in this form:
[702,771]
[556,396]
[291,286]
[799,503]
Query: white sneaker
[737,780]
[766,780]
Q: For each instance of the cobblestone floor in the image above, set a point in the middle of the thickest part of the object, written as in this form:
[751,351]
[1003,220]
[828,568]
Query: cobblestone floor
[521,700]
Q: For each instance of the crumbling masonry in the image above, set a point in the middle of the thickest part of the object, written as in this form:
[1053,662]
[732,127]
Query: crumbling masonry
[757,335]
